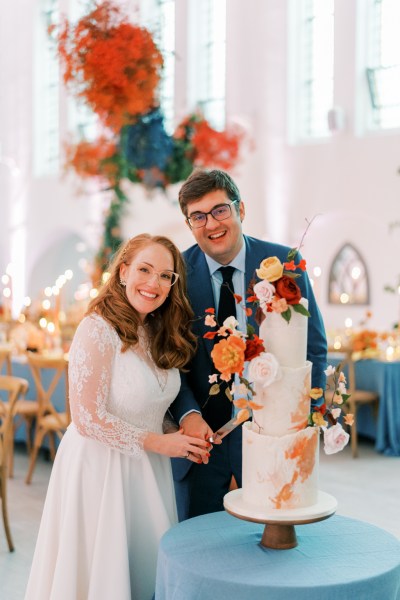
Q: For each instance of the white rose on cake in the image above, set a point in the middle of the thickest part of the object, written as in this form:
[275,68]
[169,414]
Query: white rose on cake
[264,369]
[335,439]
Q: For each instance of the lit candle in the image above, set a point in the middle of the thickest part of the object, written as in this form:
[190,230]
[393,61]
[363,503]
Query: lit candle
[389,353]
[317,274]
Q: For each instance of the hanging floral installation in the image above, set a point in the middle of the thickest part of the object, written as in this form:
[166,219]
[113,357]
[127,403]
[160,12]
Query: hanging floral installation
[114,67]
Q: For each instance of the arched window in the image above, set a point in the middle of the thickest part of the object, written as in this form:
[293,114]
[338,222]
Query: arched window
[348,278]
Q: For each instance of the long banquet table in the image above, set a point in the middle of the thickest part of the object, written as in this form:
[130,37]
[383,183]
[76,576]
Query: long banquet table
[371,374]
[217,556]
[382,377]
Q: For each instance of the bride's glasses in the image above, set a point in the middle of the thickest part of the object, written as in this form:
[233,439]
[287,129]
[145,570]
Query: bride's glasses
[165,278]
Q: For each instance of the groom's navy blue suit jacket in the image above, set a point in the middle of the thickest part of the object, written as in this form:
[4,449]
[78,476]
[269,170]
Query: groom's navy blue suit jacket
[195,386]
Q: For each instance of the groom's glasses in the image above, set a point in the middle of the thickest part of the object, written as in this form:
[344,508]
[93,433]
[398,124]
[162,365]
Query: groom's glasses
[219,213]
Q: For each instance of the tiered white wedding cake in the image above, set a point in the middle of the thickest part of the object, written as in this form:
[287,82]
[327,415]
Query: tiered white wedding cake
[280,453]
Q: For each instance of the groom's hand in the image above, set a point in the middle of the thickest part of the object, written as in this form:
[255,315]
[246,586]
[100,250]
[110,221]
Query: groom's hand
[195,426]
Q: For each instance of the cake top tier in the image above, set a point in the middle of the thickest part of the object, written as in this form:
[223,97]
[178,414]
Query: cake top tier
[287,341]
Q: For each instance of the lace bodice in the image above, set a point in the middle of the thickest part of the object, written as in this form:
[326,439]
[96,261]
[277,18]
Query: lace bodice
[115,397]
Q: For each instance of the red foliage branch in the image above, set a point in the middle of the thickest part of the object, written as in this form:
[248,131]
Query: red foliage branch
[112,65]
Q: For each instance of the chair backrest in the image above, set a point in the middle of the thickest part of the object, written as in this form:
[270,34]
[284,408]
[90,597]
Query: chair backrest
[59,365]
[15,387]
[345,356]
[5,357]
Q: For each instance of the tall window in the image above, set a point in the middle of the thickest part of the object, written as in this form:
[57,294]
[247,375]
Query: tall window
[82,121]
[159,17]
[311,70]
[167,46]
[46,93]
[207,40]
[383,63]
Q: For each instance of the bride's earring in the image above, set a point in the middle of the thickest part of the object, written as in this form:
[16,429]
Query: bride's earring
[122,282]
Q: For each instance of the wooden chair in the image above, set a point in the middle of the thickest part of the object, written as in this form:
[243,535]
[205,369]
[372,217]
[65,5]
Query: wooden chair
[49,421]
[23,411]
[14,386]
[358,396]
[5,357]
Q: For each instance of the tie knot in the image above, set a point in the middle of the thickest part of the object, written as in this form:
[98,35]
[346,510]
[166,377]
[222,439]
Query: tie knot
[227,273]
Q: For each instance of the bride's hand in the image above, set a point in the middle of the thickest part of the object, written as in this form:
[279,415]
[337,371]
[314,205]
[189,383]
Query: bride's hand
[179,445]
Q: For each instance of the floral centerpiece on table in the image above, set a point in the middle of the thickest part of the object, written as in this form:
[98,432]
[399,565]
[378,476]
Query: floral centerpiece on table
[365,342]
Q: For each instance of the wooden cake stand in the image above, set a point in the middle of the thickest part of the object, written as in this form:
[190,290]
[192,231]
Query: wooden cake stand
[279,532]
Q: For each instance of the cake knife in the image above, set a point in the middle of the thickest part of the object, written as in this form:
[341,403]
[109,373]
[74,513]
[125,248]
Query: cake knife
[225,429]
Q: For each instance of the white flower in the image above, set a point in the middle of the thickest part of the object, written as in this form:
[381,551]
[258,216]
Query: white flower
[342,388]
[209,321]
[335,412]
[213,378]
[264,369]
[240,389]
[329,371]
[335,439]
[231,323]
[265,291]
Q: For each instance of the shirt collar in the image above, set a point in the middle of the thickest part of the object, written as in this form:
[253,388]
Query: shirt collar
[239,262]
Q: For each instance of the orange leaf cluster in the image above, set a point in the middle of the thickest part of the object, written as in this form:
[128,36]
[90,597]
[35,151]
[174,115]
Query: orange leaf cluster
[110,63]
[217,148]
[86,158]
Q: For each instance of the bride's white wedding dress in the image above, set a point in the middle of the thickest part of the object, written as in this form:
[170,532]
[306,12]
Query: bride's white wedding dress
[109,502]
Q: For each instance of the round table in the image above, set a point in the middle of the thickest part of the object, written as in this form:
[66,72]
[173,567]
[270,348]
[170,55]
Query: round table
[217,556]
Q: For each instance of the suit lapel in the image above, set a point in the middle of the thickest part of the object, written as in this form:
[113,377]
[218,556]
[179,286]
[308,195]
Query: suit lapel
[201,296]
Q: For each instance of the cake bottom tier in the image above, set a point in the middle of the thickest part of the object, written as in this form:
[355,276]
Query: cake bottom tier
[280,473]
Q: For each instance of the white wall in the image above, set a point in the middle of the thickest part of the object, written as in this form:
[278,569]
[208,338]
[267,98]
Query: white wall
[350,180]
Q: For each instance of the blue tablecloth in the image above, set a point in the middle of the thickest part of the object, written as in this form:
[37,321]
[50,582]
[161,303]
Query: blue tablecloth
[384,378]
[218,557]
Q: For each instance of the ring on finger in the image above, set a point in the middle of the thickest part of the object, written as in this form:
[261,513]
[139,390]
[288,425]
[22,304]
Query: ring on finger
[188,454]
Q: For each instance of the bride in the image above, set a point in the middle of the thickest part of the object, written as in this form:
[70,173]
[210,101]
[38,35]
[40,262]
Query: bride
[111,496]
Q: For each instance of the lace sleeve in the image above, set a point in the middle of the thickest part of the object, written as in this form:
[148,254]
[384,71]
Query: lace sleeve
[90,365]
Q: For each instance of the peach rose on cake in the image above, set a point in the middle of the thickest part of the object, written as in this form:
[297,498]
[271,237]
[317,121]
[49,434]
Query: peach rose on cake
[270,269]
[264,369]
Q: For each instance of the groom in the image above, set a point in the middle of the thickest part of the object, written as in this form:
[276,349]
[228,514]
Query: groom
[214,211]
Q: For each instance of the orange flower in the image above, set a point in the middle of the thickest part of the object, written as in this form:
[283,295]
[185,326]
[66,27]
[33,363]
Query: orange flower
[349,419]
[228,355]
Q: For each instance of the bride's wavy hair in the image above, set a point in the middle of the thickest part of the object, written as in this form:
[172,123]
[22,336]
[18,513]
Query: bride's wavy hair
[172,343]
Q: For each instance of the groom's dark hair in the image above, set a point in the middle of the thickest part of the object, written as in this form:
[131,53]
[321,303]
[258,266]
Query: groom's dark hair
[202,182]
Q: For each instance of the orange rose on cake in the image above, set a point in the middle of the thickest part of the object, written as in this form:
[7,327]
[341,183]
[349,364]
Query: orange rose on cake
[228,356]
